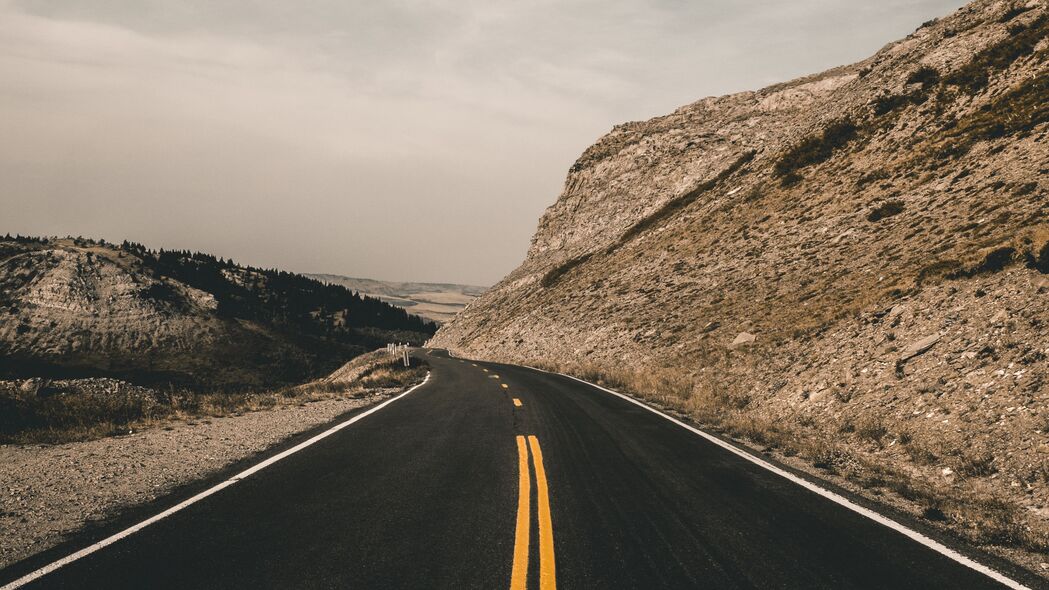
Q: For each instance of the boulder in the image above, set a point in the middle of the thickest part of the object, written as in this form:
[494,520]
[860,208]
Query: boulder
[895,312]
[918,347]
[743,339]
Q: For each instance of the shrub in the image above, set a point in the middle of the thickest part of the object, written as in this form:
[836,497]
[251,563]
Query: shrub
[872,430]
[934,513]
[994,261]
[164,293]
[1016,112]
[975,76]
[1037,258]
[974,464]
[66,411]
[889,102]
[830,458]
[872,176]
[791,178]
[815,150]
[1012,13]
[920,453]
[1025,189]
[554,274]
[925,75]
[886,209]
[60,413]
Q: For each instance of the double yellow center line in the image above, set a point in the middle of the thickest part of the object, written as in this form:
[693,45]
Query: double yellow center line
[519,570]
[547,570]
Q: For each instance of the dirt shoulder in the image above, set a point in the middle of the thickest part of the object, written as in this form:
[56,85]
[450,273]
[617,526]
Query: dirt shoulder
[49,492]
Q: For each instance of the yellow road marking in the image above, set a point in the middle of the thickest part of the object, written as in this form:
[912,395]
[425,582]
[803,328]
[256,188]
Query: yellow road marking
[519,573]
[517,402]
[547,570]
[505,386]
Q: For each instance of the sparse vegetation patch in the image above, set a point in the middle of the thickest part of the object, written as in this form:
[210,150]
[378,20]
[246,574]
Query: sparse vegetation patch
[814,150]
[994,261]
[925,75]
[46,411]
[1039,260]
[886,209]
[1014,12]
[553,275]
[975,76]
[678,203]
[1017,112]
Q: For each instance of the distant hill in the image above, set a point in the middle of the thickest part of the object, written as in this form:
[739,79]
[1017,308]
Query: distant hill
[81,308]
[435,301]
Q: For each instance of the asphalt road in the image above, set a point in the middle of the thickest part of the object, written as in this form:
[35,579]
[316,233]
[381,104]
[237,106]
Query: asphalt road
[427,493]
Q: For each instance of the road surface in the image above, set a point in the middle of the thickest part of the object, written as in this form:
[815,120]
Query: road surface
[496,476]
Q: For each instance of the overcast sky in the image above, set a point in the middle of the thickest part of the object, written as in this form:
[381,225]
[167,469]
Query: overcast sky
[392,139]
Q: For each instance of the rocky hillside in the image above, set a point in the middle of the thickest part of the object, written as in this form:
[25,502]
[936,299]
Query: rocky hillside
[78,308]
[438,302]
[849,266]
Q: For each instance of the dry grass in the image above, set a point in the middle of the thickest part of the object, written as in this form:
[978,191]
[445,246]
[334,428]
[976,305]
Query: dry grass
[72,416]
[814,150]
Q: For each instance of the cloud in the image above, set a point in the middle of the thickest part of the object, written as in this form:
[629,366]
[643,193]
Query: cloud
[404,139]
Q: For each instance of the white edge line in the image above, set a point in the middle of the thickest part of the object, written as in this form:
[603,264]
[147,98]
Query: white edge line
[833,497]
[47,569]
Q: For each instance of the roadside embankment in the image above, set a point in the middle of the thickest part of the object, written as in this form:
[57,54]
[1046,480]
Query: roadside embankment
[48,492]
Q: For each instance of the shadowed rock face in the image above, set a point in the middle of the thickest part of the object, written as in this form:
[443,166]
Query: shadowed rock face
[841,220]
[77,309]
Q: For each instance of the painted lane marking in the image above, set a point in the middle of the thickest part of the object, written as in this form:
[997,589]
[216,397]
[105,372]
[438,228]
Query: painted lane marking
[517,402]
[547,569]
[208,492]
[519,571]
[833,497]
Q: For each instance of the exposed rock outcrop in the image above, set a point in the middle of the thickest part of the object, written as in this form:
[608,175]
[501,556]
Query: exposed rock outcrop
[841,217]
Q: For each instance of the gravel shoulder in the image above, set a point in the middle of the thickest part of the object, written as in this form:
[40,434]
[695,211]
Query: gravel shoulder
[48,492]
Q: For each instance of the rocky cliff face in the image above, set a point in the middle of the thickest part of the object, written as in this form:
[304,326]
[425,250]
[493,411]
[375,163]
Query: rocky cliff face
[77,308]
[857,256]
